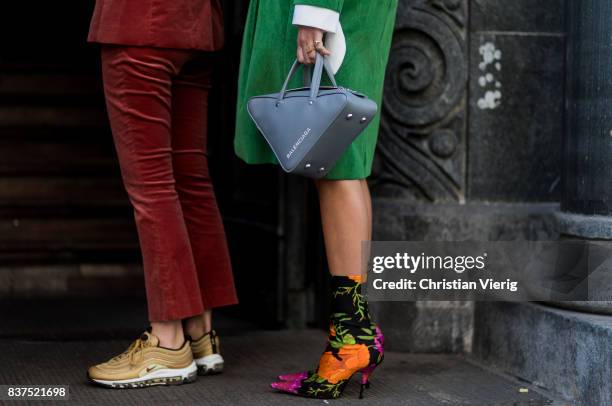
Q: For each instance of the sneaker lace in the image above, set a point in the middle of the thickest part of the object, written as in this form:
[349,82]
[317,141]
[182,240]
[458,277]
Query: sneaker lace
[133,350]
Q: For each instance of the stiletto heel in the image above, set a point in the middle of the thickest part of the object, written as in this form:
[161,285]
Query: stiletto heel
[365,378]
[365,384]
[363,387]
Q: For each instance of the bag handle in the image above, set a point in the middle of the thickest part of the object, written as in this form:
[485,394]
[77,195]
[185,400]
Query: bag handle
[315,83]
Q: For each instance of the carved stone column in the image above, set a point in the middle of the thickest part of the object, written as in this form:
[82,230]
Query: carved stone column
[586,208]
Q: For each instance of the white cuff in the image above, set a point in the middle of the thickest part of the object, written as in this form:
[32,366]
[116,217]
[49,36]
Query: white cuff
[336,44]
[317,17]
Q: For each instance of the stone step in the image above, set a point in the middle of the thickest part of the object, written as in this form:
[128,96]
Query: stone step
[43,83]
[29,116]
[63,190]
[67,238]
[563,351]
[53,156]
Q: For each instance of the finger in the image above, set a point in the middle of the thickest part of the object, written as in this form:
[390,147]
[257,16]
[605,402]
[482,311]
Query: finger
[301,43]
[322,50]
[318,35]
[309,49]
[304,56]
[308,53]
[302,50]
[312,55]
[318,43]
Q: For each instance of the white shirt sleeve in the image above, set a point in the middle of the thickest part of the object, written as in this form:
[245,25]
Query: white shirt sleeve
[318,17]
[326,20]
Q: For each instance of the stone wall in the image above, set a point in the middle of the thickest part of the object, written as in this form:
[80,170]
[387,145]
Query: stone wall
[470,145]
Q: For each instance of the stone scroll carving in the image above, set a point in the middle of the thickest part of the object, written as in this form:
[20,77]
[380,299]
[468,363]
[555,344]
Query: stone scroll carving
[421,149]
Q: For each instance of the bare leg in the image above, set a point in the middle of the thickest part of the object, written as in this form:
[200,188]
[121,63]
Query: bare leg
[346,219]
[197,326]
[368,200]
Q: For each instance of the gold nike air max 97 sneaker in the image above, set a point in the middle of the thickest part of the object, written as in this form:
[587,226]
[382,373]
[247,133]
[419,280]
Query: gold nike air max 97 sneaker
[145,363]
[207,354]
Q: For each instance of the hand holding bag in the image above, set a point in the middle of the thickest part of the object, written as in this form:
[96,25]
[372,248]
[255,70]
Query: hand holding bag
[309,128]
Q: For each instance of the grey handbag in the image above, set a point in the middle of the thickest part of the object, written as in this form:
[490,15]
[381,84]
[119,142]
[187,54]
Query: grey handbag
[309,128]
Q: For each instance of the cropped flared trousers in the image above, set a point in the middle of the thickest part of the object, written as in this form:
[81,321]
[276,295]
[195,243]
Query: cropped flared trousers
[157,102]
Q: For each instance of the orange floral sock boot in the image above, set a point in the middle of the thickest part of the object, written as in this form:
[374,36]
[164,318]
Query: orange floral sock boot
[354,345]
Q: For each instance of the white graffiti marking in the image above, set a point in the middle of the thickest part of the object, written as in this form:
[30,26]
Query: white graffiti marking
[490,64]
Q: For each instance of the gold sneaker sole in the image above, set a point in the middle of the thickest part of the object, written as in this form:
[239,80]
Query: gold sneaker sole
[210,364]
[165,377]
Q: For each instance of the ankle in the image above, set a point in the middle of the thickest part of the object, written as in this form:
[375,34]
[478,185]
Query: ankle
[169,333]
[195,332]
[196,327]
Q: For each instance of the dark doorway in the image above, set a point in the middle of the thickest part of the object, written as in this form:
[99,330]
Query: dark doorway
[250,198]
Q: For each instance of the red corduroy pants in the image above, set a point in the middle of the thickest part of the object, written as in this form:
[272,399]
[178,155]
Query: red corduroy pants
[157,102]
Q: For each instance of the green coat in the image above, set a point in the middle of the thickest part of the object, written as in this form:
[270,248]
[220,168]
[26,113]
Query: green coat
[269,49]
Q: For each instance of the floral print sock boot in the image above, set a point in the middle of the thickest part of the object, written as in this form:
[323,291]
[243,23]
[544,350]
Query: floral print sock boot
[354,345]
[379,340]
